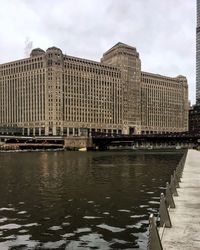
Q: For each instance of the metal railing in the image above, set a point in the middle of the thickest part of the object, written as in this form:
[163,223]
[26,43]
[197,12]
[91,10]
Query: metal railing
[166,203]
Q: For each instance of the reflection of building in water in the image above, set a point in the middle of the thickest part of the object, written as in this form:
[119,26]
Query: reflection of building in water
[50,93]
[50,170]
[44,169]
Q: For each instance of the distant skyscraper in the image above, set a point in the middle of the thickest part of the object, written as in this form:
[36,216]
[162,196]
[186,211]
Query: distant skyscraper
[198,54]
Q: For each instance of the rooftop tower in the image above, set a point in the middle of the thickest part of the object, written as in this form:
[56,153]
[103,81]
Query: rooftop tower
[198,54]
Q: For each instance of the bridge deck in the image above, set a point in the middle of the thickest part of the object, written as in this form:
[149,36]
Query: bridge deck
[185,231]
[16,146]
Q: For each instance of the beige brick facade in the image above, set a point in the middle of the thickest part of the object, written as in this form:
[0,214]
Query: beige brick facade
[54,94]
[164,105]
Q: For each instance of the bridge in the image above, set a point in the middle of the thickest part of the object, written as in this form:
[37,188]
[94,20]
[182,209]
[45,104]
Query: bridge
[104,141]
[12,142]
[186,140]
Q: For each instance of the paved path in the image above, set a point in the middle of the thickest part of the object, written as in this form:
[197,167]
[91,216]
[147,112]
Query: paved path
[185,231]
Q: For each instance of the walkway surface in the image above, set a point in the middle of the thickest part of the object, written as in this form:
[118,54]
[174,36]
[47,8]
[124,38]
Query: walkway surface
[185,231]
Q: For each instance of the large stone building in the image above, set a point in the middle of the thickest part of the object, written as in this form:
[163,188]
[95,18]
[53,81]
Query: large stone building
[50,93]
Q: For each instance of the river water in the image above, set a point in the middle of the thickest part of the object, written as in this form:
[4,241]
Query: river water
[80,200]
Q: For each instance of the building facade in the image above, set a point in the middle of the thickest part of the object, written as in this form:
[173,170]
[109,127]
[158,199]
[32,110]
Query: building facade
[164,106]
[50,93]
[126,58]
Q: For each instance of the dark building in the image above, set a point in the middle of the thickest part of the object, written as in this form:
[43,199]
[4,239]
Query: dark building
[198,54]
[194,119]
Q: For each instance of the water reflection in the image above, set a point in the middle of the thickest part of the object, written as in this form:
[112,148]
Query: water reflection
[74,200]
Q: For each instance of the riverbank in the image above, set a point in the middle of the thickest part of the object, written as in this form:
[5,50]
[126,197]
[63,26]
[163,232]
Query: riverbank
[14,148]
[185,218]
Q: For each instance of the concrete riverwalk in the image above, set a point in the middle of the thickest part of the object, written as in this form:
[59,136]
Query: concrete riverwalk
[185,218]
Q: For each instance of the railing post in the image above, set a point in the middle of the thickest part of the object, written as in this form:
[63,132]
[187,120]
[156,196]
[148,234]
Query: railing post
[184,157]
[176,180]
[164,213]
[154,242]
[169,198]
[173,187]
[179,172]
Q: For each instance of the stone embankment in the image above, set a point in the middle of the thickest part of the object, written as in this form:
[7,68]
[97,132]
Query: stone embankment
[185,218]
[179,213]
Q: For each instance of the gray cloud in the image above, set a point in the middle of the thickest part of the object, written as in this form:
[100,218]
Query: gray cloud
[162,31]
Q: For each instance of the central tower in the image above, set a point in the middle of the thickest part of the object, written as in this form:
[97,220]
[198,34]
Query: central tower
[126,58]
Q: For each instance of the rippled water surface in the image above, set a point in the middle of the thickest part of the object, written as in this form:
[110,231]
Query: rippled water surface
[78,200]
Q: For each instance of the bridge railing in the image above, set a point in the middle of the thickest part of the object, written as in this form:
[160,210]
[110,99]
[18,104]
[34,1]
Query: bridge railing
[157,225]
[150,135]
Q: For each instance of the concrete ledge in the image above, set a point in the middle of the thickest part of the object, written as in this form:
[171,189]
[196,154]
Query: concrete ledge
[77,142]
[185,233]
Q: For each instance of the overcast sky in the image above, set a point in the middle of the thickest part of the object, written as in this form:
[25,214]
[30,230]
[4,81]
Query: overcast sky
[163,31]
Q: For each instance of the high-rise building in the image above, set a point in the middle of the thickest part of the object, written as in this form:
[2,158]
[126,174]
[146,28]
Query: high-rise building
[194,119]
[198,54]
[50,93]
[126,58]
[194,113]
